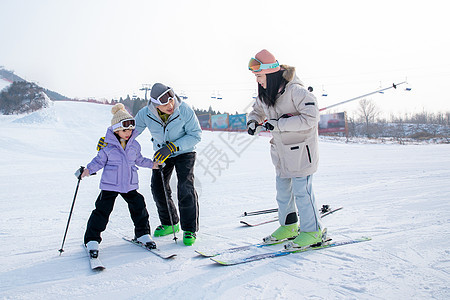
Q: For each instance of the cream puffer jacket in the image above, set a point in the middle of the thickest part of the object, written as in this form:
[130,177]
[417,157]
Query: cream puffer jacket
[294,143]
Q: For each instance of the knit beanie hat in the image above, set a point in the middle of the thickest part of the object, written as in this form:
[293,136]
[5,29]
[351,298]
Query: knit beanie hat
[157,90]
[120,114]
[266,57]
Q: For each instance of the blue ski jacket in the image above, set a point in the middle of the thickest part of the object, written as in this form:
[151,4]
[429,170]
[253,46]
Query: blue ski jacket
[182,128]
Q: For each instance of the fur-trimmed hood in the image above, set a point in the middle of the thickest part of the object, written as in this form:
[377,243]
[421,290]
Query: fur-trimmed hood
[290,75]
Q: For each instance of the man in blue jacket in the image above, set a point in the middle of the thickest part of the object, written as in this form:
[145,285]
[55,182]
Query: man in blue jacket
[175,131]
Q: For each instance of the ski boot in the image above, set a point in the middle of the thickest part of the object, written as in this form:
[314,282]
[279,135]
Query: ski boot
[189,238]
[92,248]
[282,233]
[163,230]
[307,239]
[147,241]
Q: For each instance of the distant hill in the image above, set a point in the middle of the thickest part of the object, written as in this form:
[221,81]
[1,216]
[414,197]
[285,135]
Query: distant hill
[11,77]
[22,97]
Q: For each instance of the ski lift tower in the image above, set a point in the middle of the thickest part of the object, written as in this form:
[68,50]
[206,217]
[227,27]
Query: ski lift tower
[146,87]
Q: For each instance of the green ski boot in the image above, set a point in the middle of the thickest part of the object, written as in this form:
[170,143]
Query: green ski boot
[163,230]
[189,238]
[308,238]
[282,233]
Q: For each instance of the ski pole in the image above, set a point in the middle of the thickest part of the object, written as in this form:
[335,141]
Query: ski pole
[167,202]
[80,171]
[259,212]
[323,209]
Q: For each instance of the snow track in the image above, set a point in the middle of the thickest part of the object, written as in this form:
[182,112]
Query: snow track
[398,195]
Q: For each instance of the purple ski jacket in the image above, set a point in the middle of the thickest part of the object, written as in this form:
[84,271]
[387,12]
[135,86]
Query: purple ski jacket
[119,165]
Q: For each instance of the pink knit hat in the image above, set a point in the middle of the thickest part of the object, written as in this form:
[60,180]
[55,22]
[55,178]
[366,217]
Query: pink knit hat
[266,57]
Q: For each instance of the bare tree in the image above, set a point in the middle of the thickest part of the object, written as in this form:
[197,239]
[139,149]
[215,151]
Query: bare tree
[368,112]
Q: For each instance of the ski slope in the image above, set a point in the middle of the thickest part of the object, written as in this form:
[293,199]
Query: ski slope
[396,194]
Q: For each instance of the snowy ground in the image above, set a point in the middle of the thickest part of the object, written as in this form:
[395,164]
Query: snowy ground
[399,195]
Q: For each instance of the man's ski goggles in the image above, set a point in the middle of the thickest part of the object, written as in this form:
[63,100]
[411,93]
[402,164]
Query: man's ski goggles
[257,66]
[126,124]
[164,98]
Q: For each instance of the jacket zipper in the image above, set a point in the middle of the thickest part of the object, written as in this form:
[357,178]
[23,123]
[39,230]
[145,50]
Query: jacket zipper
[164,125]
[155,120]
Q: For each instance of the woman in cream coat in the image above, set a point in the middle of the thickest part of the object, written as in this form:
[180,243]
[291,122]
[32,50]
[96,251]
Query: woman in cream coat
[291,113]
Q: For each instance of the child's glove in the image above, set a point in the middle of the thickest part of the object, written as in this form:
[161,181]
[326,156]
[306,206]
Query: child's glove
[101,143]
[162,154]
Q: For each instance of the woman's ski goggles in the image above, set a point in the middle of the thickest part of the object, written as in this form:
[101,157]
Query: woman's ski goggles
[164,98]
[126,124]
[256,66]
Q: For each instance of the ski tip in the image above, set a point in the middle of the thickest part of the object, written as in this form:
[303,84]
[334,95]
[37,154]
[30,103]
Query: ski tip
[202,253]
[219,261]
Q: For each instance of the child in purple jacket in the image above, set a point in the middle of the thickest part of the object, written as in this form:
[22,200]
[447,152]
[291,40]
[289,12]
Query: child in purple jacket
[118,160]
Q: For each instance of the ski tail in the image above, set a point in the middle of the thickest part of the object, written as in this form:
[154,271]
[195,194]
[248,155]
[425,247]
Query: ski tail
[94,261]
[157,251]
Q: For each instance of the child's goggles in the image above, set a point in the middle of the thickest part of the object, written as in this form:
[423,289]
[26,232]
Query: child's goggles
[126,124]
[256,66]
[164,98]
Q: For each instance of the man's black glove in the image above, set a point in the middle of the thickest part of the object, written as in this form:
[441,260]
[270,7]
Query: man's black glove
[162,154]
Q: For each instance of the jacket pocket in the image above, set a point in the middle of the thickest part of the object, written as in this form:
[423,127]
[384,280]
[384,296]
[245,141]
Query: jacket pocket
[134,175]
[274,155]
[110,175]
[296,157]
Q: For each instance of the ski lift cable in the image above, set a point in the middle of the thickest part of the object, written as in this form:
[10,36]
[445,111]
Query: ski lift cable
[394,85]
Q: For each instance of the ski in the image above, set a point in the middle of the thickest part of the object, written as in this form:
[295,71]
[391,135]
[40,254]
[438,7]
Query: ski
[330,211]
[212,253]
[95,262]
[324,211]
[241,260]
[258,223]
[157,251]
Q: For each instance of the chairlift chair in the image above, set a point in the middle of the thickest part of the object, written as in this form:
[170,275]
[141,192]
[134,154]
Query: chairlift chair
[324,93]
[381,92]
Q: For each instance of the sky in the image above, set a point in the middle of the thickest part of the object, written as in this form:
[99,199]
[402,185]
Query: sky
[109,49]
